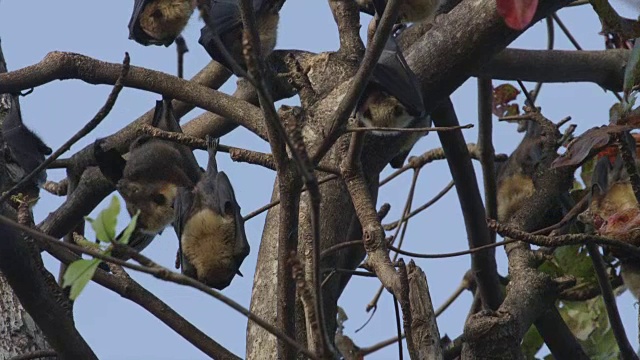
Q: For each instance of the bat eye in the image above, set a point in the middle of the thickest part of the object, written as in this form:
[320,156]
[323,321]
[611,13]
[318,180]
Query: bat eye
[398,110]
[367,114]
[159,199]
[228,209]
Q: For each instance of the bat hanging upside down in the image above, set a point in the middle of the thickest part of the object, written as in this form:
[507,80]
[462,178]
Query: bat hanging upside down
[149,179]
[159,22]
[210,228]
[223,30]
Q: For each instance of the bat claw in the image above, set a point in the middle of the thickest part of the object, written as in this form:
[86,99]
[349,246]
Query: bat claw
[212,143]
[239,273]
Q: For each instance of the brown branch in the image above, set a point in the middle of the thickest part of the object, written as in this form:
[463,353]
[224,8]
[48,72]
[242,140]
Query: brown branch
[92,124]
[17,264]
[483,264]
[487,152]
[409,130]
[151,268]
[604,67]
[360,79]
[612,22]
[346,15]
[64,66]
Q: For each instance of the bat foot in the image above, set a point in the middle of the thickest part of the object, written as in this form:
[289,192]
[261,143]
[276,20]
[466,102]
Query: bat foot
[212,143]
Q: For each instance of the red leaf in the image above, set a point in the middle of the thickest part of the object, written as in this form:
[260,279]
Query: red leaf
[592,140]
[502,96]
[517,14]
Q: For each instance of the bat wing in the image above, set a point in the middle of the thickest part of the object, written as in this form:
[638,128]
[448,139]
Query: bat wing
[26,148]
[182,206]
[395,77]
[164,118]
[110,162]
[135,31]
[227,204]
[223,18]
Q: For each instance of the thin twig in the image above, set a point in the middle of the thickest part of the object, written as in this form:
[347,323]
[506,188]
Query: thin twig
[181,49]
[452,254]
[361,78]
[420,209]
[487,152]
[160,272]
[408,130]
[97,119]
[560,240]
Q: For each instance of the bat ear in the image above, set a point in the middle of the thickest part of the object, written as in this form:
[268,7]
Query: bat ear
[110,162]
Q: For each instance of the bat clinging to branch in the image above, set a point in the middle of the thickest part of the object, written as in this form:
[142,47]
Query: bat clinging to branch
[210,228]
[159,22]
[24,150]
[149,179]
[224,29]
[392,98]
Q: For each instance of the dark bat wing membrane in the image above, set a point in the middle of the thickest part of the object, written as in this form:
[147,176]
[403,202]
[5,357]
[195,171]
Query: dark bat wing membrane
[228,206]
[110,162]
[164,119]
[135,31]
[182,206]
[225,16]
[26,148]
[395,77]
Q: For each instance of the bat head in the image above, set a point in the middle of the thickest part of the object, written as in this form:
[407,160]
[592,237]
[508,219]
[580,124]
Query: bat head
[154,201]
[382,110]
[159,22]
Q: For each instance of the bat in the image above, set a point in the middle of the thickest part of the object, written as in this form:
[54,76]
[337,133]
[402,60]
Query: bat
[210,229]
[223,30]
[613,209]
[151,176]
[392,98]
[159,22]
[24,150]
[410,11]
[515,176]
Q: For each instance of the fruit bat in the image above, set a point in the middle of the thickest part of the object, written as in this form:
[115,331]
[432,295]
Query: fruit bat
[159,22]
[614,212]
[515,176]
[24,150]
[410,10]
[149,179]
[224,29]
[393,97]
[210,229]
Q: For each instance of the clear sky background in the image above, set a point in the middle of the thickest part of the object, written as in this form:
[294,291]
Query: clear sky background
[118,329]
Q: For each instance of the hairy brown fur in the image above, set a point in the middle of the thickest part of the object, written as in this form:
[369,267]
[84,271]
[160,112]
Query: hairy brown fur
[166,18]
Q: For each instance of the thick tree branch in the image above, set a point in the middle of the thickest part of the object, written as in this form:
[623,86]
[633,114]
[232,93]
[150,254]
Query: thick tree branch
[63,66]
[605,68]
[18,266]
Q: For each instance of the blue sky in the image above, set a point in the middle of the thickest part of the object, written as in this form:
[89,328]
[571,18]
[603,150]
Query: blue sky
[116,328]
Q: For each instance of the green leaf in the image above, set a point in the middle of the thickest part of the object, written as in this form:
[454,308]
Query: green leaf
[531,343]
[86,243]
[105,224]
[632,71]
[587,172]
[78,274]
[126,234]
[589,322]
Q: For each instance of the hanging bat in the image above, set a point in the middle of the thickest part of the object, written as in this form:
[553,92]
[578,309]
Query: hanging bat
[159,22]
[613,210]
[223,30]
[393,98]
[149,179]
[24,150]
[210,229]
[515,176]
